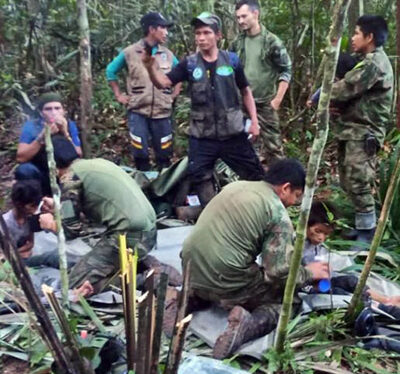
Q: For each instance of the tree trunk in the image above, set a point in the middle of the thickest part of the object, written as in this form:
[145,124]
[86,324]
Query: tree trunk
[380,228]
[356,10]
[86,76]
[398,64]
[332,52]
[55,189]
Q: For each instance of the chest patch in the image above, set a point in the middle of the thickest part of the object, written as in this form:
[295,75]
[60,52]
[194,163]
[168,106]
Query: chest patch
[224,70]
[197,73]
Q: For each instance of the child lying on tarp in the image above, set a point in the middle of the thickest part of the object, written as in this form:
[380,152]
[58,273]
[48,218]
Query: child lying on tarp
[320,226]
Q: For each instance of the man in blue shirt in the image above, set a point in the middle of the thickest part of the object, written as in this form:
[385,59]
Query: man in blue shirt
[149,108]
[31,151]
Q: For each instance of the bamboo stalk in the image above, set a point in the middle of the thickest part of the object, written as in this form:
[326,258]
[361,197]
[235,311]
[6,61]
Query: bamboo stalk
[143,308]
[321,135]
[178,340]
[44,325]
[161,293]
[149,286]
[71,340]
[55,189]
[380,229]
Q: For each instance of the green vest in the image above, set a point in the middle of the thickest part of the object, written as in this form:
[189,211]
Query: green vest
[215,112]
[144,97]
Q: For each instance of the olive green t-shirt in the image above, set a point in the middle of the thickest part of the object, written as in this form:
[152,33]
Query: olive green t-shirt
[107,195]
[244,220]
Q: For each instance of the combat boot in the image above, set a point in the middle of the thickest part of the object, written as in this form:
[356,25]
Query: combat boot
[365,229]
[244,326]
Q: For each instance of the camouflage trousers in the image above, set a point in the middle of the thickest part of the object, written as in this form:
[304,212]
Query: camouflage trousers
[357,174]
[270,132]
[102,262]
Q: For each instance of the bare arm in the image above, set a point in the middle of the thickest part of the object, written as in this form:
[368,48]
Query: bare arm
[159,79]
[249,104]
[280,94]
[25,151]
[177,90]
[122,98]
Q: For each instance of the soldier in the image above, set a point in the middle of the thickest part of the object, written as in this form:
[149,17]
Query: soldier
[216,124]
[367,91]
[244,220]
[268,68]
[106,195]
[149,109]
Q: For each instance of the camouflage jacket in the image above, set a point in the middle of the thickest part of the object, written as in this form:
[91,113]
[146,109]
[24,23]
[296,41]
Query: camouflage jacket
[276,63]
[367,91]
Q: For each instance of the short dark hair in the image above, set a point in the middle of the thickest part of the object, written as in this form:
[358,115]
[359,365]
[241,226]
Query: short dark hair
[346,62]
[64,151]
[25,192]
[322,212]
[252,4]
[375,25]
[286,171]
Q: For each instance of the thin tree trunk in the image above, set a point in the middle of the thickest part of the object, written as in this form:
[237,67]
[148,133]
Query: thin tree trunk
[55,189]
[380,228]
[332,52]
[398,63]
[356,10]
[86,76]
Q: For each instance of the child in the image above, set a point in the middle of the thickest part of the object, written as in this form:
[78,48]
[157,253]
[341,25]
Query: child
[346,62]
[320,226]
[25,196]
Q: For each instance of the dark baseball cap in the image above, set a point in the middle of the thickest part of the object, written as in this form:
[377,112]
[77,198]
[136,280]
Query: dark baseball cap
[207,19]
[154,19]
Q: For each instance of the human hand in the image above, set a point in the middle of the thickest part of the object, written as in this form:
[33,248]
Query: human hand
[62,125]
[47,205]
[85,290]
[47,222]
[254,130]
[309,104]
[319,270]
[123,99]
[393,300]
[25,250]
[276,103]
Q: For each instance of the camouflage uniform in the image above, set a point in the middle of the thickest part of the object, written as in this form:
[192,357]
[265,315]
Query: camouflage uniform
[245,220]
[367,91]
[106,195]
[266,62]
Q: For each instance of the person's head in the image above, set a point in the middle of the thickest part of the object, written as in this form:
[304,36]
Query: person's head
[370,32]
[64,152]
[207,30]
[50,106]
[288,179]
[321,222]
[25,196]
[346,62]
[247,14]
[155,27]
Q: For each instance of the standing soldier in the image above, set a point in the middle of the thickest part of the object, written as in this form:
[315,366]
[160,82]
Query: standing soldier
[149,109]
[367,91]
[266,63]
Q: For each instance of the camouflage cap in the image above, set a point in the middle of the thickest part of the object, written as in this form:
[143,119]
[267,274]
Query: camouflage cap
[208,19]
[48,97]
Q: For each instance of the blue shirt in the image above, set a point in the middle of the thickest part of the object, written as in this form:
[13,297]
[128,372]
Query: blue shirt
[119,63]
[32,129]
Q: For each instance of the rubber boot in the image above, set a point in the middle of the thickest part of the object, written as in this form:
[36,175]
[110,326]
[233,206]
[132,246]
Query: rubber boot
[142,164]
[365,229]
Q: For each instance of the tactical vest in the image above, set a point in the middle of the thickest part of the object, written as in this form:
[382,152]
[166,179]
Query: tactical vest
[215,112]
[144,97]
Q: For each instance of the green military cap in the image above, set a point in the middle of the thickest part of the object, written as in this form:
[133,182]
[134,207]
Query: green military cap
[48,97]
[208,19]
